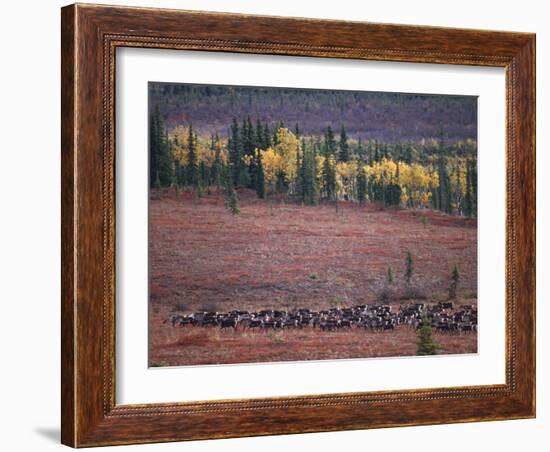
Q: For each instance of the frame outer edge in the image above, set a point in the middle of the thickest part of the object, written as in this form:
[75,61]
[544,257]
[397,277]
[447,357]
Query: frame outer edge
[86,420]
[525,62]
[68,230]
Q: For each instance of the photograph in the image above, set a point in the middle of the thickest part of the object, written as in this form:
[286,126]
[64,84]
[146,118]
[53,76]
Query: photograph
[291,224]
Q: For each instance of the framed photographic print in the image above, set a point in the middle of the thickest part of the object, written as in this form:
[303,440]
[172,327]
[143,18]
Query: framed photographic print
[280,225]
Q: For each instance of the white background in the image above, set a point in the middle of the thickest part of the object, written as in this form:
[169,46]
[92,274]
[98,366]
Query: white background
[29,238]
[137,384]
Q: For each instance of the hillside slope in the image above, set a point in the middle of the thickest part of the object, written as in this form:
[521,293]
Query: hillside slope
[388,117]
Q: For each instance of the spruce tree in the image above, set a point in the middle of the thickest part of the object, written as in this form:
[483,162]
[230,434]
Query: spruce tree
[259,138]
[376,152]
[344,146]
[361,184]
[455,278]
[468,201]
[329,169]
[192,167]
[444,190]
[426,344]
[408,268]
[266,137]
[309,175]
[232,201]
[473,183]
[217,164]
[153,149]
[235,155]
[160,152]
[180,173]
[329,177]
[330,142]
[361,154]
[299,179]
[392,194]
[203,179]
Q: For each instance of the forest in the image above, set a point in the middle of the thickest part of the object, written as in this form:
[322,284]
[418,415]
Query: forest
[276,161]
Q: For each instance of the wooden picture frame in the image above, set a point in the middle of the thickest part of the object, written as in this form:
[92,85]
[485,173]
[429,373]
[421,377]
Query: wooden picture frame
[90,36]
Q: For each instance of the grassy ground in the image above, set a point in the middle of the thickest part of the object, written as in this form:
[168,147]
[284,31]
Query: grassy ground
[293,256]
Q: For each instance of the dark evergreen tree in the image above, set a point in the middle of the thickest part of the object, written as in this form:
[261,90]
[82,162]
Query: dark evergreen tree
[157,183]
[361,152]
[235,154]
[180,173]
[232,201]
[153,149]
[160,152]
[203,177]
[299,182]
[267,137]
[444,191]
[361,185]
[328,174]
[455,278]
[468,200]
[192,166]
[259,137]
[426,344]
[408,268]
[309,175]
[344,146]
[473,185]
[217,165]
[392,194]
[376,152]
[330,143]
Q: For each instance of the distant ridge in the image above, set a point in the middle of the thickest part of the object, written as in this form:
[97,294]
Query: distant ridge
[389,117]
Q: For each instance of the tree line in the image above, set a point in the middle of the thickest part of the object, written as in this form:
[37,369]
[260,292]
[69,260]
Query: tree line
[275,160]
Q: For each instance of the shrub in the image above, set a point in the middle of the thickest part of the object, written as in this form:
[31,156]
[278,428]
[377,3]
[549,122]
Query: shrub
[386,295]
[426,344]
[179,307]
[414,293]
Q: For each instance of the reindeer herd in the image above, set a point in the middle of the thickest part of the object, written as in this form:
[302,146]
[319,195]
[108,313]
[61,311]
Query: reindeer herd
[444,317]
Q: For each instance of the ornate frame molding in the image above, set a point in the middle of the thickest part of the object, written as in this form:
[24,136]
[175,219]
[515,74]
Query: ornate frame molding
[90,37]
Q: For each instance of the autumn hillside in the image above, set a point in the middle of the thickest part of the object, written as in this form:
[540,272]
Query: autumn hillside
[366,115]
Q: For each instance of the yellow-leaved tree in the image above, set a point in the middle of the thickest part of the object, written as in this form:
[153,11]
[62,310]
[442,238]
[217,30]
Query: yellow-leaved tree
[287,147]
[273,164]
[416,183]
[280,160]
[345,179]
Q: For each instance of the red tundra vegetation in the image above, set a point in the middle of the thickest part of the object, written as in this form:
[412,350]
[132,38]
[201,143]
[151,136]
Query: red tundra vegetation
[203,258]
